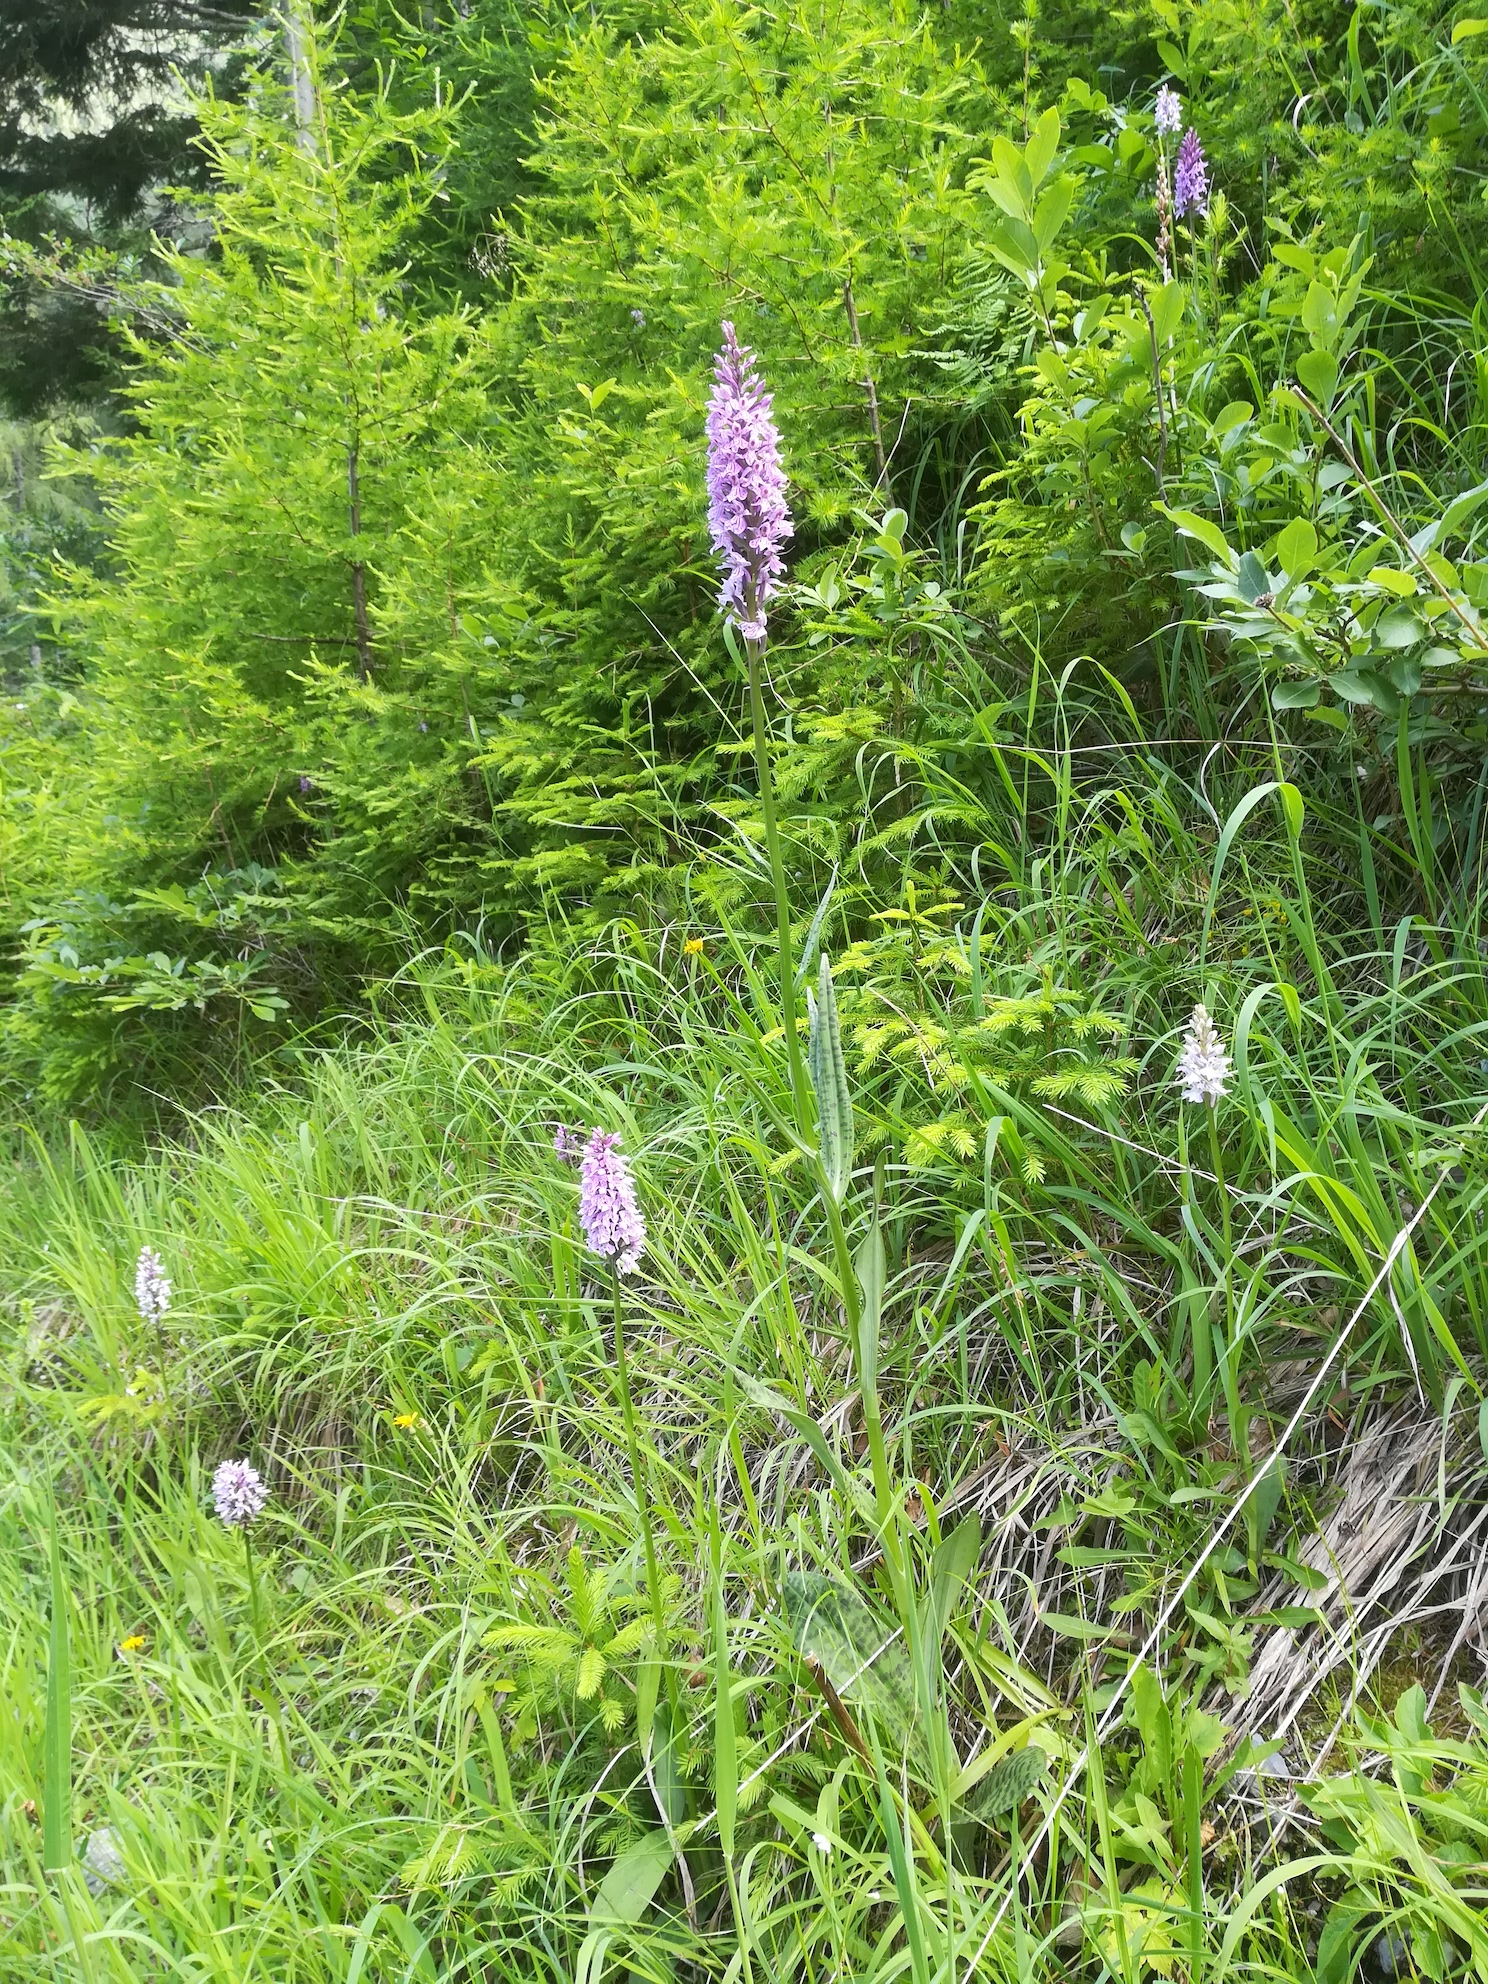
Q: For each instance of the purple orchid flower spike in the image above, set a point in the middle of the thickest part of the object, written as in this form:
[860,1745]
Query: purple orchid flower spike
[747,512]
[1191,179]
[608,1212]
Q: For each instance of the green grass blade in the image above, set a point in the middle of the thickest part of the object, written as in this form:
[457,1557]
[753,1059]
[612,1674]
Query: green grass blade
[56,1831]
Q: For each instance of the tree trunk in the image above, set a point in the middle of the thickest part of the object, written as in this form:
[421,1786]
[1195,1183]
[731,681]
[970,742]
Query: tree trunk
[358,570]
[881,481]
[298,36]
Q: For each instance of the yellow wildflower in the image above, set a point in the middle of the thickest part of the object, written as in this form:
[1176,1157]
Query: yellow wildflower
[693,948]
[133,1644]
[406,1419]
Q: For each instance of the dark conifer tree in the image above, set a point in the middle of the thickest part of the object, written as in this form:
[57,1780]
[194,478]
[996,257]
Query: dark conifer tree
[93,130]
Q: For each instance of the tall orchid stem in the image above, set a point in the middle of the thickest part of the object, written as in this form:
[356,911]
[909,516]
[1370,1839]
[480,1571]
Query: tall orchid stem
[1232,1349]
[252,1588]
[638,1471]
[755,650]
[1216,1158]
[266,1681]
[883,1494]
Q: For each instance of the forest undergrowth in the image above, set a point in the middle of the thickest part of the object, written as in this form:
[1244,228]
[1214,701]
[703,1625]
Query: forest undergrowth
[432,1727]
[795,1300]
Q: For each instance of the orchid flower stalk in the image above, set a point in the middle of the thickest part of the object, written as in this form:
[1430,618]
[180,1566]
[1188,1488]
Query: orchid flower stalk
[1203,1069]
[749,519]
[239,1496]
[1167,121]
[610,1216]
[152,1298]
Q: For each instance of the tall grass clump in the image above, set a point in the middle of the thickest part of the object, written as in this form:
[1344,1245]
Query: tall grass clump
[764,1639]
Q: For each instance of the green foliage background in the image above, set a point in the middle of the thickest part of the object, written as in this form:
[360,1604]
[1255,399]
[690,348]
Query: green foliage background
[405,621]
[996,1465]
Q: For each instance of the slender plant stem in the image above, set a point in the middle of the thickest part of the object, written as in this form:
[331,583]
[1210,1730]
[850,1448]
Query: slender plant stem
[165,1392]
[261,1659]
[1232,1349]
[738,1915]
[638,1471]
[1201,1344]
[755,650]
[883,1495]
[252,1587]
[1216,1158]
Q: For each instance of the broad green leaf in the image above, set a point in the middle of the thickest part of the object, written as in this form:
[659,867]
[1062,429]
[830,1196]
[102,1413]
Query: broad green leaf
[1068,1627]
[871,1269]
[1320,314]
[1174,58]
[828,1069]
[1052,213]
[648,1685]
[1042,145]
[1354,685]
[1006,158]
[1400,627]
[953,1563]
[1006,195]
[1153,1719]
[1451,520]
[1294,1617]
[1208,534]
[860,1652]
[627,1889]
[1318,371]
[1293,257]
[813,935]
[1015,246]
[1296,548]
[1294,695]
[1462,30]
[1008,1783]
[1252,578]
[1167,306]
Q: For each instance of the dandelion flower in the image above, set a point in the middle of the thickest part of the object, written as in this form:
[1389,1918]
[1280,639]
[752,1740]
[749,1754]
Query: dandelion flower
[152,1291]
[747,511]
[406,1419]
[693,948]
[1167,112]
[239,1493]
[134,1644]
[608,1212]
[1203,1064]
[1191,178]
